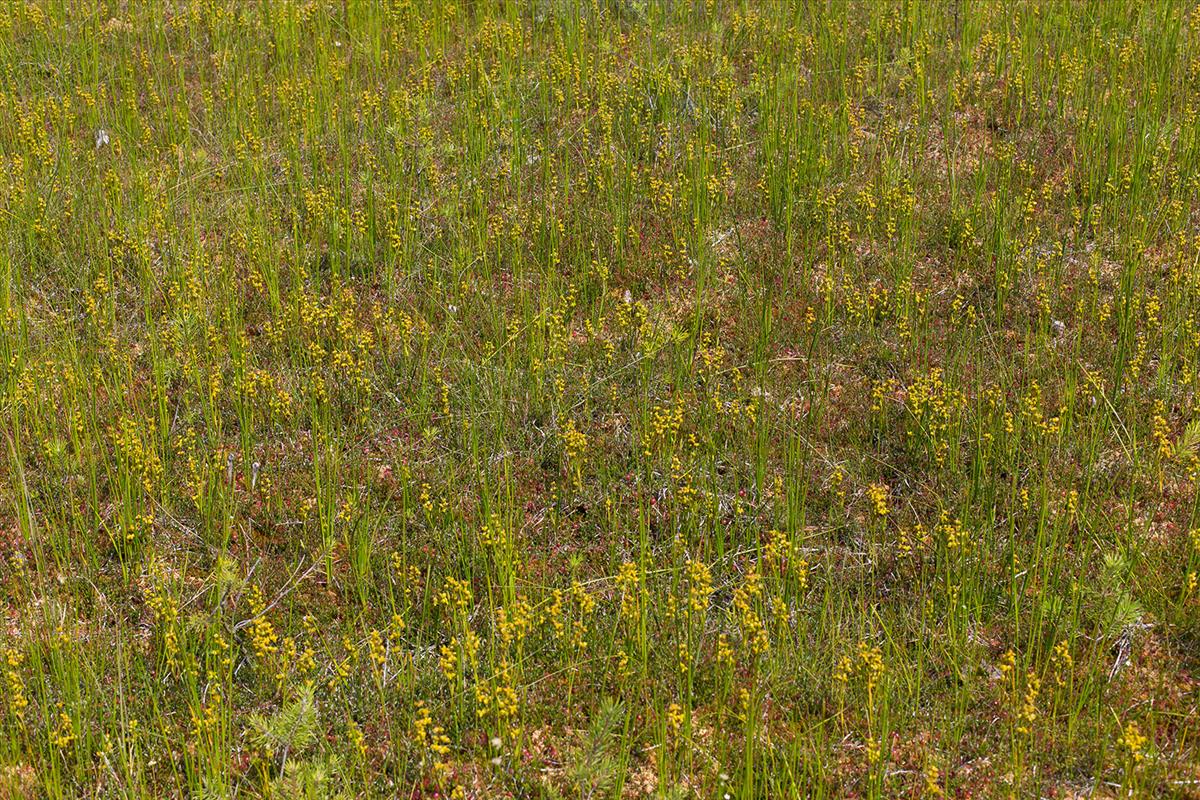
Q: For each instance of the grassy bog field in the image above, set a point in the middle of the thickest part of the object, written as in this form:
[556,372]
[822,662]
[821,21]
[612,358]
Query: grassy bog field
[582,399]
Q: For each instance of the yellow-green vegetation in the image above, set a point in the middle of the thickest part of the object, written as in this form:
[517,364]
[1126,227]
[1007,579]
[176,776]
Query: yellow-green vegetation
[599,399]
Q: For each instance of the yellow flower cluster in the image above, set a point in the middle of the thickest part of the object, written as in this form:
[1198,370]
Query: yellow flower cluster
[263,639]
[14,684]
[432,742]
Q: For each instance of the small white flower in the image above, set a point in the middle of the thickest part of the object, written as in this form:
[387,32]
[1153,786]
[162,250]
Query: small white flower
[101,138]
